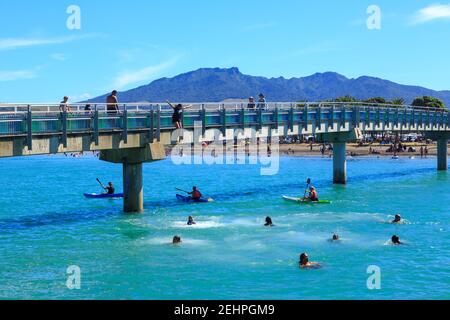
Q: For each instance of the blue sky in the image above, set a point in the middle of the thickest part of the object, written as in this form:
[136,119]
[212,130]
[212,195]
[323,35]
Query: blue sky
[125,44]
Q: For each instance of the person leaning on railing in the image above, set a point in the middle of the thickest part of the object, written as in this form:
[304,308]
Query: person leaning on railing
[177,117]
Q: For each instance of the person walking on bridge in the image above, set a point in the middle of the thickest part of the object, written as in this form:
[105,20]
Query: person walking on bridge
[112,103]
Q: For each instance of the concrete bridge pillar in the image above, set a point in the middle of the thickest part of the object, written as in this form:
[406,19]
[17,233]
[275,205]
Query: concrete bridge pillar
[339,141]
[132,187]
[132,160]
[442,146]
[339,163]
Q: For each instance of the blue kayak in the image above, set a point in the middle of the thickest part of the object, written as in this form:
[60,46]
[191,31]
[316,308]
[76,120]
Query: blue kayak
[190,200]
[103,196]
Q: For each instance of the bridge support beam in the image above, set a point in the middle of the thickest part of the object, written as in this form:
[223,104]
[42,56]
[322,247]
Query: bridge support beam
[340,163]
[132,160]
[442,146]
[133,188]
[339,141]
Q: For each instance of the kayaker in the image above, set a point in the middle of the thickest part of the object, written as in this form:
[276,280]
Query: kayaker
[313,196]
[109,188]
[195,194]
[176,240]
[269,222]
[398,219]
[396,241]
[191,221]
[306,264]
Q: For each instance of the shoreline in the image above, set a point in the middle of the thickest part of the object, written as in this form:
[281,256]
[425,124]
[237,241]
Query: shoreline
[353,150]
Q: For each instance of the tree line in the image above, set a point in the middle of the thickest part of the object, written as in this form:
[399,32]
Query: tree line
[424,101]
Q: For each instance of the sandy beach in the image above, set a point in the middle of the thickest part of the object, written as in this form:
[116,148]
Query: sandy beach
[353,149]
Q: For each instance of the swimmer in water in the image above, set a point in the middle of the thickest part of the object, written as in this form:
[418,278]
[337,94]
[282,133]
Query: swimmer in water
[176,240]
[269,222]
[306,264]
[335,237]
[191,221]
[398,219]
[396,241]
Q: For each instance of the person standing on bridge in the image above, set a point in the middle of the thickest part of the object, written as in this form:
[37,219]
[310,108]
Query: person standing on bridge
[177,117]
[251,103]
[112,103]
[64,106]
[261,101]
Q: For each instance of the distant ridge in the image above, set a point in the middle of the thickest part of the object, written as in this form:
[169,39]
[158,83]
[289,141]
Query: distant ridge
[216,85]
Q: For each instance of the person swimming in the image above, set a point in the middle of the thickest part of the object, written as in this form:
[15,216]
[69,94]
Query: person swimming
[396,241]
[335,237]
[269,222]
[398,219]
[191,221]
[176,240]
[306,264]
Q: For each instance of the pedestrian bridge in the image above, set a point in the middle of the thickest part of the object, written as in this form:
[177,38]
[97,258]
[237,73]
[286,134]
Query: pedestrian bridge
[138,131]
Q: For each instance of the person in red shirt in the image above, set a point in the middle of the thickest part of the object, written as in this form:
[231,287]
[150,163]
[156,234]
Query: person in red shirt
[195,194]
[313,196]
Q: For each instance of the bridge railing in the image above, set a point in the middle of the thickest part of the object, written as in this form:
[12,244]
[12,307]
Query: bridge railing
[78,108]
[43,119]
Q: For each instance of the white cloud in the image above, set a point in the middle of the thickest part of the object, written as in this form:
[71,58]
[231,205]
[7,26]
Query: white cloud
[145,74]
[432,12]
[59,56]
[16,75]
[16,43]
[80,97]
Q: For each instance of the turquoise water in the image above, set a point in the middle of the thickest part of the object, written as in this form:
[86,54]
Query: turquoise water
[46,225]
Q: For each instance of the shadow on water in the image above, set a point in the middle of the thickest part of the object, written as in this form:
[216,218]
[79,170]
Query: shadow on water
[389,175]
[53,219]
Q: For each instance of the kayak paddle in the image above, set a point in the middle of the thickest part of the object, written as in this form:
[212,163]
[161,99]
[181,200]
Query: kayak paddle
[182,190]
[308,182]
[101,184]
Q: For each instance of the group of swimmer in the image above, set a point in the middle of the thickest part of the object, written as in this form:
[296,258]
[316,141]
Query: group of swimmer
[304,262]
[312,196]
